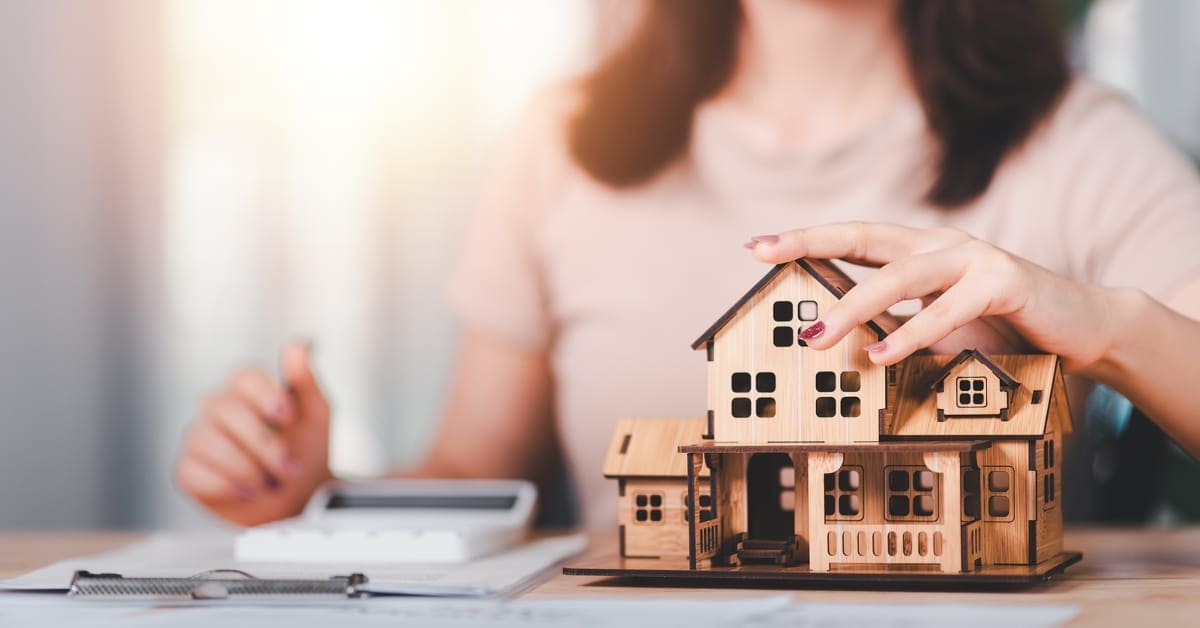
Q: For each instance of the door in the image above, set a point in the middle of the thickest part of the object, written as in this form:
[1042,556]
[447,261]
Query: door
[770,496]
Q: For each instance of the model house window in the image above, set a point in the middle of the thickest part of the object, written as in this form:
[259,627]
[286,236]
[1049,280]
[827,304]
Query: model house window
[755,395]
[1048,488]
[998,484]
[843,494]
[970,490]
[971,392]
[705,504]
[789,319]
[911,493]
[648,507]
[787,489]
[834,402]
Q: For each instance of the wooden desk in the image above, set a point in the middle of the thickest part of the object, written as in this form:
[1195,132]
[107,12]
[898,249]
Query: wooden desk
[1127,577]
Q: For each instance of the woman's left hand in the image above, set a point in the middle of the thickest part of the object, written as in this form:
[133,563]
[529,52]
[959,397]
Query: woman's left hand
[974,293]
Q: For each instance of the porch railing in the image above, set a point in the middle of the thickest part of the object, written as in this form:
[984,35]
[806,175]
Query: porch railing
[889,543]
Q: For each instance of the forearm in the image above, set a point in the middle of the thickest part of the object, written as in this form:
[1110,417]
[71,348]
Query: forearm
[1153,358]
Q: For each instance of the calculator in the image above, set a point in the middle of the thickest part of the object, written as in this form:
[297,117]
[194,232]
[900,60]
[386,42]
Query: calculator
[397,521]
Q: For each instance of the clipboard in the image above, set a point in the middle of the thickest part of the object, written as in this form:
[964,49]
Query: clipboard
[217,584]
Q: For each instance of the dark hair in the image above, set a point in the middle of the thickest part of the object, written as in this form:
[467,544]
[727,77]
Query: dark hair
[986,73]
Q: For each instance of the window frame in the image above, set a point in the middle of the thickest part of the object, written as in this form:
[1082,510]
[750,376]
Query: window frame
[837,492]
[911,493]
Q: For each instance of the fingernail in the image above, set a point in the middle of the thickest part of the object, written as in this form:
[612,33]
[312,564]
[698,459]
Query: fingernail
[875,347]
[246,492]
[272,482]
[292,466]
[762,239]
[812,331]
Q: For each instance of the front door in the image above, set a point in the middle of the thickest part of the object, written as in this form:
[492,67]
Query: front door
[770,496]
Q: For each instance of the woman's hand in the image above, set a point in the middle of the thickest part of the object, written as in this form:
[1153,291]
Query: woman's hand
[259,448]
[974,293]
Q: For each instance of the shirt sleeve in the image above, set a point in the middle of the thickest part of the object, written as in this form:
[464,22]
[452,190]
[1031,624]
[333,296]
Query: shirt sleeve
[498,286]
[1133,201]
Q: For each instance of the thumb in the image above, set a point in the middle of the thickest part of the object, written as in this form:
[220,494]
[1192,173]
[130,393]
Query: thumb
[301,382]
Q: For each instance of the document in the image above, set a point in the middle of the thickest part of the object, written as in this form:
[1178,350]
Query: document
[690,610]
[180,556]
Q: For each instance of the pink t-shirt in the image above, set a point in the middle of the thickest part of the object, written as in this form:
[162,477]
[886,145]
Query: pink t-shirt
[616,284]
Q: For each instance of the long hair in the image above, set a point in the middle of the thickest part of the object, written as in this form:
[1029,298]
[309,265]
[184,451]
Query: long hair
[986,72]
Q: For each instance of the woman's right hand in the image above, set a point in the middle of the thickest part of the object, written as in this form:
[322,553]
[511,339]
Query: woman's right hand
[259,448]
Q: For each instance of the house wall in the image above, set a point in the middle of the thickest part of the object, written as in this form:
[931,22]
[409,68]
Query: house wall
[1006,538]
[1048,509]
[947,398]
[668,537]
[873,493]
[746,345]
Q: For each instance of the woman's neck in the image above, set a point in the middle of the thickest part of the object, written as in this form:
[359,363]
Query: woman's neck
[819,70]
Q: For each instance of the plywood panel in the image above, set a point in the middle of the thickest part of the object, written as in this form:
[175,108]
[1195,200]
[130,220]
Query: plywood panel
[916,406]
[668,537]
[1006,540]
[746,345]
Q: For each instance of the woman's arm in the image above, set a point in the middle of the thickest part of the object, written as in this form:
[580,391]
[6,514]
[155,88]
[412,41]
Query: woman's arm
[498,422]
[1153,358]
[1120,337]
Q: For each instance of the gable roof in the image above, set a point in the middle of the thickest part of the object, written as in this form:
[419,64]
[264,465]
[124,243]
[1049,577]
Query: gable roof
[826,273]
[915,409]
[649,448]
[1007,382]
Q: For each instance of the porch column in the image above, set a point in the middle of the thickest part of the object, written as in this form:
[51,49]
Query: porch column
[947,464]
[819,463]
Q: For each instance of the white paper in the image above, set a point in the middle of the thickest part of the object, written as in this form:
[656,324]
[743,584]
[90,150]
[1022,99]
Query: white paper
[917,616]
[181,556]
[685,610]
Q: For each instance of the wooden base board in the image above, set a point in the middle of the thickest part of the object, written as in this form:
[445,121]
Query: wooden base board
[675,572]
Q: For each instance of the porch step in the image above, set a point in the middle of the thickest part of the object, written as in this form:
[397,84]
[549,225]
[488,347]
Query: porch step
[766,551]
[757,544]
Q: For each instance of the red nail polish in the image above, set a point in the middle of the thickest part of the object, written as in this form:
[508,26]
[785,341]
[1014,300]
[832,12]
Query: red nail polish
[875,347]
[812,331]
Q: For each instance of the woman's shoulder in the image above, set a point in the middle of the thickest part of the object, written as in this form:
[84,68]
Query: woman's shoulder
[1095,122]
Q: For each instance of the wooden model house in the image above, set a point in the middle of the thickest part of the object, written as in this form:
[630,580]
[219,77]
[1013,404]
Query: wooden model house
[821,462]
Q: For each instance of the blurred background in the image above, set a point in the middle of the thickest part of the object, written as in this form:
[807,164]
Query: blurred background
[187,184]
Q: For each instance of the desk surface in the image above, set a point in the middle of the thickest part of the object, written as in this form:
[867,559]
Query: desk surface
[1127,577]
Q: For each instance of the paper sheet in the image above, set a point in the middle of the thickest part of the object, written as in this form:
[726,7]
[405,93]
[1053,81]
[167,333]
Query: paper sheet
[173,555]
[755,611]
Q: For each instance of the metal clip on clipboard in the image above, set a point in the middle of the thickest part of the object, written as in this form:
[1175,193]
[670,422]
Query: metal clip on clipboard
[218,584]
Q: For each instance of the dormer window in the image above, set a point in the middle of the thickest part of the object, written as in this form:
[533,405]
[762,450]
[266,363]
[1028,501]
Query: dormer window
[972,385]
[972,392]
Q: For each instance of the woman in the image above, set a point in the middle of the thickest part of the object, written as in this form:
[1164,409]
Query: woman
[1039,212]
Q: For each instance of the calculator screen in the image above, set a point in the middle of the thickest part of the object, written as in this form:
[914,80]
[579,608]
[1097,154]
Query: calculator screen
[342,501]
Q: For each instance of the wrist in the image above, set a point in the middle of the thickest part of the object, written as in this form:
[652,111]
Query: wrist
[1124,328]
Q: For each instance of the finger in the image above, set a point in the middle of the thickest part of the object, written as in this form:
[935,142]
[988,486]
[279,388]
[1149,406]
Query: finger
[863,243]
[266,397]
[248,430]
[208,485]
[302,382]
[212,446]
[958,306]
[906,278]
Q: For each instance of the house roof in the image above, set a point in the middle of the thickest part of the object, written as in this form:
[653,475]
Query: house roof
[1006,381]
[649,448]
[915,408]
[826,273]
